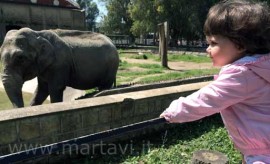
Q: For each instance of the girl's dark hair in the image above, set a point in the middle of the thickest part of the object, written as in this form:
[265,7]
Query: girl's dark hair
[245,23]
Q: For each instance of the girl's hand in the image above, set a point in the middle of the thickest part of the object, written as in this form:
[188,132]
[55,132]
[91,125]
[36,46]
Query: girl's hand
[163,115]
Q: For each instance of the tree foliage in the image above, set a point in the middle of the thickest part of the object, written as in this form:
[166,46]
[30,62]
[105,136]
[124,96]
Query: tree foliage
[91,12]
[117,21]
[145,14]
[185,17]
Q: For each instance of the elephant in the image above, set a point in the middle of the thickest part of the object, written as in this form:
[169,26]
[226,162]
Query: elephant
[58,58]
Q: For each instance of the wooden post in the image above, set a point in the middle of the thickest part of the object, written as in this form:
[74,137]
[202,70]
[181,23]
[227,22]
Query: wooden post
[163,43]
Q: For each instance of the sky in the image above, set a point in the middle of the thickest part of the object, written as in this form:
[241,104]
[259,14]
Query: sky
[102,10]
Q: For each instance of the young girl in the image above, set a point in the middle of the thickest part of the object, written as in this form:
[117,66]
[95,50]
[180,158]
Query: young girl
[238,33]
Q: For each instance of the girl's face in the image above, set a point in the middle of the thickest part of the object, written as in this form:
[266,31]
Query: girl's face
[222,51]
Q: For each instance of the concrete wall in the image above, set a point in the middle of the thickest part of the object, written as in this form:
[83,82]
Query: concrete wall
[51,123]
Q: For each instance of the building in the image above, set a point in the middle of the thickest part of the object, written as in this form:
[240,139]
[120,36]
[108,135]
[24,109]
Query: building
[39,15]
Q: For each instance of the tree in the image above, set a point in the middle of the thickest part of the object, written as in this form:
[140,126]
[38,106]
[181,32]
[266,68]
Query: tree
[141,17]
[117,21]
[186,18]
[91,12]
[145,16]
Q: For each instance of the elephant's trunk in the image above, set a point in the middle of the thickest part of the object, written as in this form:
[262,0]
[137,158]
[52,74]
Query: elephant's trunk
[13,87]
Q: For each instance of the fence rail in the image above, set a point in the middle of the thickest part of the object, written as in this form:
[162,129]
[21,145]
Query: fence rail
[127,41]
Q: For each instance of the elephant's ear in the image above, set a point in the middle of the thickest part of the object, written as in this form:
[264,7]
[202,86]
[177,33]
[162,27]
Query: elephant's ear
[45,56]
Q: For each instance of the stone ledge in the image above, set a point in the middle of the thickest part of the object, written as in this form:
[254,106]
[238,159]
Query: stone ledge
[11,114]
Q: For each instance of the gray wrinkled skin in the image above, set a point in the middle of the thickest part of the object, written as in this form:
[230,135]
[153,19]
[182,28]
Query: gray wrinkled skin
[58,58]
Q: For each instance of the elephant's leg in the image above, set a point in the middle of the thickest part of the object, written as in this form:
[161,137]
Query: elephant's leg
[40,94]
[106,83]
[104,86]
[56,94]
[57,84]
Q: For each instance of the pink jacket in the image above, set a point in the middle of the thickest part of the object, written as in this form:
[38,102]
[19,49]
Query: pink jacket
[241,93]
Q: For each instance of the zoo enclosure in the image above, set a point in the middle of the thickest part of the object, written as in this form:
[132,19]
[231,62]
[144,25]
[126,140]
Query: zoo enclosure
[125,41]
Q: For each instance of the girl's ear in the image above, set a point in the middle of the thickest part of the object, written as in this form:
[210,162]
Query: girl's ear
[241,49]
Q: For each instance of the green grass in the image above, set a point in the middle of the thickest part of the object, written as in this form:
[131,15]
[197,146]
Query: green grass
[171,57]
[189,58]
[6,104]
[174,145]
[125,65]
[157,72]
[148,69]
[4,101]
[140,56]
[134,74]
[179,75]
[149,66]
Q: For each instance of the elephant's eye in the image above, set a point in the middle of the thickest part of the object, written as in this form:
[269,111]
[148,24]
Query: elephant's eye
[21,42]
